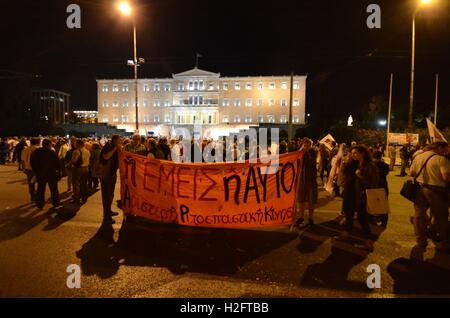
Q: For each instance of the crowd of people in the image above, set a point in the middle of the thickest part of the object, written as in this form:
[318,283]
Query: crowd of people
[346,172]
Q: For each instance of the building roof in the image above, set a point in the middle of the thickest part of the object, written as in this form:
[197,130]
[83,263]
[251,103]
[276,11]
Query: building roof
[196,72]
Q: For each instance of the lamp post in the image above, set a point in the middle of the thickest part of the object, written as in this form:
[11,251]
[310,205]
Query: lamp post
[126,10]
[411,92]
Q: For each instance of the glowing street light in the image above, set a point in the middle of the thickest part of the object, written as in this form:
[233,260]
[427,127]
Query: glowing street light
[411,93]
[125,8]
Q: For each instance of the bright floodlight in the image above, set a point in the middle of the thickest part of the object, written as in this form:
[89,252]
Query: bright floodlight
[426,1]
[125,8]
[382,122]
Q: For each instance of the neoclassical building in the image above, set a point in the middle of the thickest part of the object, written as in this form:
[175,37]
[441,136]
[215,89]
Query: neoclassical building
[198,97]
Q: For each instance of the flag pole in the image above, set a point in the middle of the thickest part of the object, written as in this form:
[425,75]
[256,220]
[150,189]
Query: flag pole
[436,99]
[389,111]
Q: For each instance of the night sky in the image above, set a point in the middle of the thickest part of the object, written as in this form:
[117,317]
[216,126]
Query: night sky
[346,62]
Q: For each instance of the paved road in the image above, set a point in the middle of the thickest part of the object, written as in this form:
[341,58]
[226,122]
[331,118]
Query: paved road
[142,260]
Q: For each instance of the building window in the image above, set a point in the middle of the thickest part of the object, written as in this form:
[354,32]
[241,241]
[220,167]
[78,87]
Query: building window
[260,86]
[296,102]
[115,104]
[181,87]
[225,86]
[146,119]
[295,119]
[271,118]
[157,103]
[248,119]
[104,119]
[283,119]
[272,85]
[105,103]
[237,86]
[284,102]
[271,102]
[237,119]
[237,102]
[156,118]
[156,88]
[125,103]
[105,88]
[248,102]
[167,119]
[145,103]
[248,86]
[210,86]
[296,85]
[259,102]
[167,103]
[125,88]
[124,119]
[284,85]
[225,119]
[210,119]
[167,87]
[115,88]
[146,88]
[116,119]
[260,118]
[225,102]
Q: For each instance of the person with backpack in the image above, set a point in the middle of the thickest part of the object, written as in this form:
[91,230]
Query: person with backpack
[432,171]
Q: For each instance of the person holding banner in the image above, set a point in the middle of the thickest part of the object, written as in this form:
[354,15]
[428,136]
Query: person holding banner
[307,185]
[107,171]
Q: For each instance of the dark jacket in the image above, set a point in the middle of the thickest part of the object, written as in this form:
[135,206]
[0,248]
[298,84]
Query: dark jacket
[354,186]
[45,164]
[383,171]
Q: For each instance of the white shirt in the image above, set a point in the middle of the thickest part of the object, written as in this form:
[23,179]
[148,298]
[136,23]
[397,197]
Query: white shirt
[26,155]
[63,151]
[433,173]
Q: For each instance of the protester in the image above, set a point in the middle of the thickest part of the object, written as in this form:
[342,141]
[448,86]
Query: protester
[136,146]
[324,156]
[164,147]
[18,153]
[392,154]
[62,152]
[432,194]
[383,171]
[80,166]
[358,173]
[28,169]
[307,184]
[45,165]
[404,156]
[67,160]
[94,159]
[4,149]
[154,151]
[109,163]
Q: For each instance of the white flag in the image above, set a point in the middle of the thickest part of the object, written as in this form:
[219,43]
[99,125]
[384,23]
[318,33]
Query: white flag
[435,134]
[327,141]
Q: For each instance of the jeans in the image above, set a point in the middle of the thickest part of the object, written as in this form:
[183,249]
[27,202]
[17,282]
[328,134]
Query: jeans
[31,185]
[391,164]
[108,185]
[80,183]
[438,204]
[40,197]
[404,165]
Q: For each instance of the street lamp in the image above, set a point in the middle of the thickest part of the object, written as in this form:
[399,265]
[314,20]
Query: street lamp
[411,93]
[126,10]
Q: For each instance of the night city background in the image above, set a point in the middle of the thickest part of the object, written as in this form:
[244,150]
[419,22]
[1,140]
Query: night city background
[347,64]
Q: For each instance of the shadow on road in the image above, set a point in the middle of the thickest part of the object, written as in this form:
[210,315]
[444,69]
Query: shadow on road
[179,249]
[19,220]
[334,270]
[412,276]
